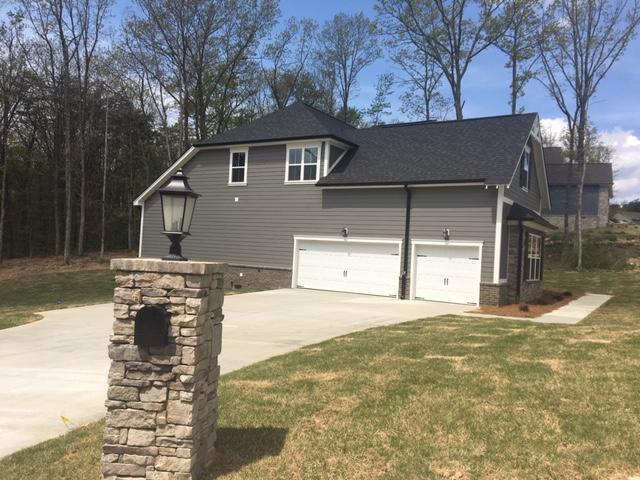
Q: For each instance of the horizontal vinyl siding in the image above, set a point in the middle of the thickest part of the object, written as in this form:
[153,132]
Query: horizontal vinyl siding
[531,198]
[468,212]
[259,228]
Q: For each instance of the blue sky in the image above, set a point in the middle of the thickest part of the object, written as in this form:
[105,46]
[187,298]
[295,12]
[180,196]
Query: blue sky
[615,110]
[486,88]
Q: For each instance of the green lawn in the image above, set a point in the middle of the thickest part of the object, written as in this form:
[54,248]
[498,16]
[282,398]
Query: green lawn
[21,297]
[441,398]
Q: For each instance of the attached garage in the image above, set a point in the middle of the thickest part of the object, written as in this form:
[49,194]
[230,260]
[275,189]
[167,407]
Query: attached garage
[369,266]
[446,271]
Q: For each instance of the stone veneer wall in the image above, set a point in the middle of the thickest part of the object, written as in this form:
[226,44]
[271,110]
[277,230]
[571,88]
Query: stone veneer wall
[162,404]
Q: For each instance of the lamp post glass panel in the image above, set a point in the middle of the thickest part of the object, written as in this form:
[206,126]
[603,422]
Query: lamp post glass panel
[178,203]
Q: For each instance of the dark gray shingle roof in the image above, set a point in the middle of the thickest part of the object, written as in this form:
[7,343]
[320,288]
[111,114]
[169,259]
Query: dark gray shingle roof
[297,121]
[520,212]
[565,173]
[482,149]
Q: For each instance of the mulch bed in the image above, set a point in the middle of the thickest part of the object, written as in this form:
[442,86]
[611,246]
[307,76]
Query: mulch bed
[549,301]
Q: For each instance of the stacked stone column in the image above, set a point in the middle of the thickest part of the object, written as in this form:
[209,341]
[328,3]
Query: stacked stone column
[162,403]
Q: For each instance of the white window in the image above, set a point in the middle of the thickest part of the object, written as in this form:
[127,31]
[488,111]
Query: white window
[238,160]
[534,257]
[525,167]
[303,163]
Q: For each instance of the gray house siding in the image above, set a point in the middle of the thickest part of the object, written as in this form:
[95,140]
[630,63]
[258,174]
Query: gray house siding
[530,198]
[258,228]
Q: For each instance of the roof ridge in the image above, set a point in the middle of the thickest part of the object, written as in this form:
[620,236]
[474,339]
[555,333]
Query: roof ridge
[440,122]
[326,114]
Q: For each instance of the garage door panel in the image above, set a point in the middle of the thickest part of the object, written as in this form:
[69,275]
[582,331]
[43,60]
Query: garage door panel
[356,267]
[447,273]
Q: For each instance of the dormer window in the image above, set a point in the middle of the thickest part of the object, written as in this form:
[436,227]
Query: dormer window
[525,169]
[238,166]
[303,164]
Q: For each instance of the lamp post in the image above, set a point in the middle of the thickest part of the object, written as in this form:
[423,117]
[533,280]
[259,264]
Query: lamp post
[178,202]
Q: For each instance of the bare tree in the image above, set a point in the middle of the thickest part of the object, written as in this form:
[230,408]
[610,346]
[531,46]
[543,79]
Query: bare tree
[580,42]
[12,87]
[451,32]
[285,59]
[380,106]
[348,43]
[91,16]
[422,99]
[519,44]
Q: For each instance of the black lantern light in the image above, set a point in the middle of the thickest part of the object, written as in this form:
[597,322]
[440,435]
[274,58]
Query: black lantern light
[178,203]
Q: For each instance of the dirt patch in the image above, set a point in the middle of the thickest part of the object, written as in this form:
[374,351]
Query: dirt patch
[549,301]
[19,267]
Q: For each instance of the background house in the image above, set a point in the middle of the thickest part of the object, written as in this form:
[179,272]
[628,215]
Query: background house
[563,178]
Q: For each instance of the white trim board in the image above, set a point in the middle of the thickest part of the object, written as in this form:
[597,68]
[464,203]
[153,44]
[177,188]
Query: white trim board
[244,150]
[454,243]
[497,244]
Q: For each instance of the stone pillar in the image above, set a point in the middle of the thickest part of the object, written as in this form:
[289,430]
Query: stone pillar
[162,402]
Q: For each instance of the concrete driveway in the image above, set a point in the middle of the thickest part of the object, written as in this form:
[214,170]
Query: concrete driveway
[57,367]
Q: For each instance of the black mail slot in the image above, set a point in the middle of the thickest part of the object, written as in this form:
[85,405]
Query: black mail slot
[151,327]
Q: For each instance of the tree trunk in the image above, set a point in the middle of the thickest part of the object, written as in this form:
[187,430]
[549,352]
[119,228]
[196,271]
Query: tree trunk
[104,178]
[456,92]
[81,222]
[514,90]
[4,164]
[582,125]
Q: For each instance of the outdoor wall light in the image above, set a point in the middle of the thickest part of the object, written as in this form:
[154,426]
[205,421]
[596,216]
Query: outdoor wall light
[446,234]
[178,203]
[345,232]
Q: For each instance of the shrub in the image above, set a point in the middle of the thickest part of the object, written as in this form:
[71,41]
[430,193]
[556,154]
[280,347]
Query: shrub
[523,307]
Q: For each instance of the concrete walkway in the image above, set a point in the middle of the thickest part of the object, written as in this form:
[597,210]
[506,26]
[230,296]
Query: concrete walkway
[569,314]
[57,367]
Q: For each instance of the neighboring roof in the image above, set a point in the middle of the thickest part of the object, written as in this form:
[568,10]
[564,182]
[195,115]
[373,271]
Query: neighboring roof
[519,212]
[627,214]
[297,121]
[566,173]
[483,150]
[553,155]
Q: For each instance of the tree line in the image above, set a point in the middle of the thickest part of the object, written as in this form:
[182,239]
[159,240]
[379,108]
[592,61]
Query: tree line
[93,108]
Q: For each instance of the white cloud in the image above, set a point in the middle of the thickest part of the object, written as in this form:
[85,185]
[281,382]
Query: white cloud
[626,157]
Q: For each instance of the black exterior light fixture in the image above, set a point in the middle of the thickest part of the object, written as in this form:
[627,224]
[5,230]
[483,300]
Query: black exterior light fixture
[178,203]
[446,234]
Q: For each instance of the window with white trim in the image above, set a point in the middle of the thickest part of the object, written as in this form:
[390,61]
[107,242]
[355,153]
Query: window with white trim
[238,166]
[303,163]
[525,168]
[534,257]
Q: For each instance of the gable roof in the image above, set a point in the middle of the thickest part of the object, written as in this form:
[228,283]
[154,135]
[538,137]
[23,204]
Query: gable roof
[478,150]
[297,121]
[567,174]
[475,150]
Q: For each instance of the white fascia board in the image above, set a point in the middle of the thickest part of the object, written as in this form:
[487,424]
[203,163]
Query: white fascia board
[165,176]
[497,244]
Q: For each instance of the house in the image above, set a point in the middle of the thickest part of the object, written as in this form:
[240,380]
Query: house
[445,211]
[626,217]
[563,178]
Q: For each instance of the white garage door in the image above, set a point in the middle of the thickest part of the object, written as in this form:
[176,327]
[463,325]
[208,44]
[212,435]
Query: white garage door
[349,266]
[446,273]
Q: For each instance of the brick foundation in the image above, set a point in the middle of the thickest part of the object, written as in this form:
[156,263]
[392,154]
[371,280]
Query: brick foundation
[237,276]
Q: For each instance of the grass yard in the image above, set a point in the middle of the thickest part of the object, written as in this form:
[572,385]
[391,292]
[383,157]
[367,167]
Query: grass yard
[35,292]
[35,285]
[442,398]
